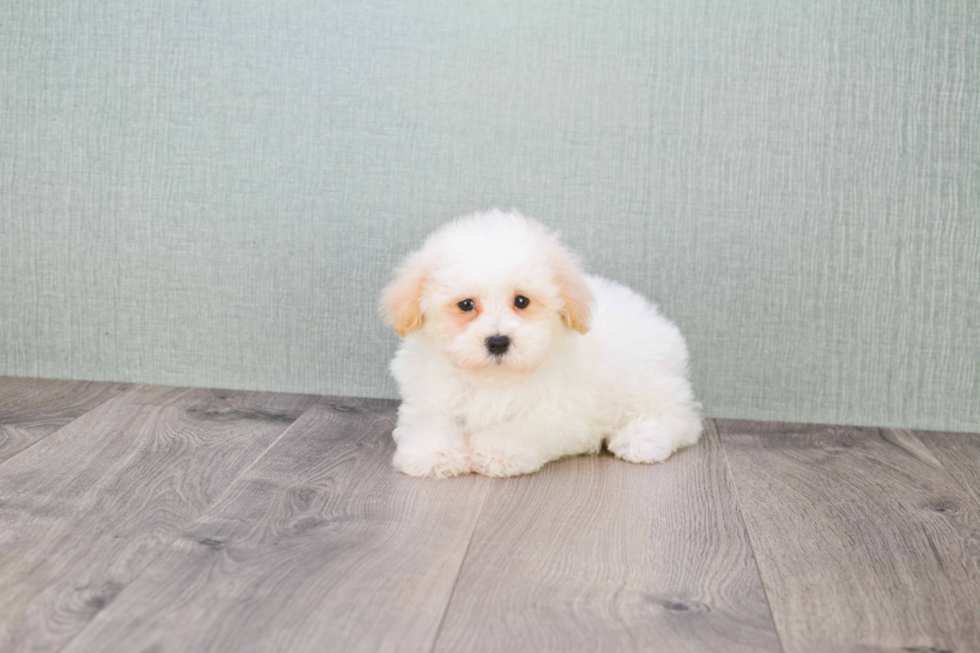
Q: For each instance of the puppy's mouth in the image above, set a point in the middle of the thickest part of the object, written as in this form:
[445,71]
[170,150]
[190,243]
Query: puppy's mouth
[495,360]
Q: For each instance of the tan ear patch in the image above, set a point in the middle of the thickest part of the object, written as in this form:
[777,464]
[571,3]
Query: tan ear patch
[401,299]
[578,298]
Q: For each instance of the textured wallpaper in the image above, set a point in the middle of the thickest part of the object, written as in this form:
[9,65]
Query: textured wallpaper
[213,193]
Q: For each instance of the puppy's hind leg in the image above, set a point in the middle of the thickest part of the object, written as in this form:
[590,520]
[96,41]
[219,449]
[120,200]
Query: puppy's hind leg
[649,439]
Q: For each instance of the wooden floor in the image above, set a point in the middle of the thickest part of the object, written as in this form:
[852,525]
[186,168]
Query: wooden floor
[145,518]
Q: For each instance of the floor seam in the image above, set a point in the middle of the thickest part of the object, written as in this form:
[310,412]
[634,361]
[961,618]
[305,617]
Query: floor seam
[748,537]
[67,424]
[956,479]
[186,527]
[462,562]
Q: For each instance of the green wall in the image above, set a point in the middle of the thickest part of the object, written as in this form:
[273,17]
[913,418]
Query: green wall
[213,193]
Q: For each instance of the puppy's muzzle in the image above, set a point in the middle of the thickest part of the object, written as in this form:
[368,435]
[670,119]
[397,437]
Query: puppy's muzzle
[497,345]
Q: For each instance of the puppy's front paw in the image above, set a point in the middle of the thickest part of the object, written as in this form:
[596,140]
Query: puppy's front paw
[431,462]
[650,441]
[500,462]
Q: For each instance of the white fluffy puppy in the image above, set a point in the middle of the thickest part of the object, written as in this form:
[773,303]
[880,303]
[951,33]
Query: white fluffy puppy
[512,358]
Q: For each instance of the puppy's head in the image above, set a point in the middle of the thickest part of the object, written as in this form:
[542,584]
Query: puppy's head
[495,290]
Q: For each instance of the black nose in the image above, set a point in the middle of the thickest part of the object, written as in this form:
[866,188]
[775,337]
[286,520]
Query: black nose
[497,345]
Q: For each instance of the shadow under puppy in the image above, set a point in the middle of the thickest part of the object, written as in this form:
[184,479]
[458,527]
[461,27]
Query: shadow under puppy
[512,357]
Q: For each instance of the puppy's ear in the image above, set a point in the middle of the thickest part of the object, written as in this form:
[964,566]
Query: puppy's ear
[400,301]
[577,311]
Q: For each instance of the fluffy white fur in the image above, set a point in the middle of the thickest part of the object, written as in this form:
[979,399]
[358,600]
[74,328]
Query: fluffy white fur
[590,361]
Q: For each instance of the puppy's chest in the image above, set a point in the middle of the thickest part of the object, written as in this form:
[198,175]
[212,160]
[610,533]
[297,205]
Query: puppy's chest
[479,410]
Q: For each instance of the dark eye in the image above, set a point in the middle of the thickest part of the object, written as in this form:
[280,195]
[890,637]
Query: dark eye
[521,301]
[466,305]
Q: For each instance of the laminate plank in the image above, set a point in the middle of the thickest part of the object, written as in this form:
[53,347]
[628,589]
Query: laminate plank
[863,540]
[231,403]
[320,546]
[960,455]
[89,506]
[31,409]
[595,554]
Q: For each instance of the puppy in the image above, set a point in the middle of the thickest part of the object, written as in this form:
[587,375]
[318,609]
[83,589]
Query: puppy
[512,357]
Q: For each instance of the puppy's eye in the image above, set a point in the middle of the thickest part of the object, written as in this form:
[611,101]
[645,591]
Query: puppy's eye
[467,305]
[521,301]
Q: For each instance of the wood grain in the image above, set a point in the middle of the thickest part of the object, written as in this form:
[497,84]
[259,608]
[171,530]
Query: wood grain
[960,455]
[595,554]
[320,546]
[231,403]
[30,409]
[88,507]
[863,540]
[175,519]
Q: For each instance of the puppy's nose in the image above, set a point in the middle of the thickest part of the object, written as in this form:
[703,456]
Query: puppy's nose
[497,345]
